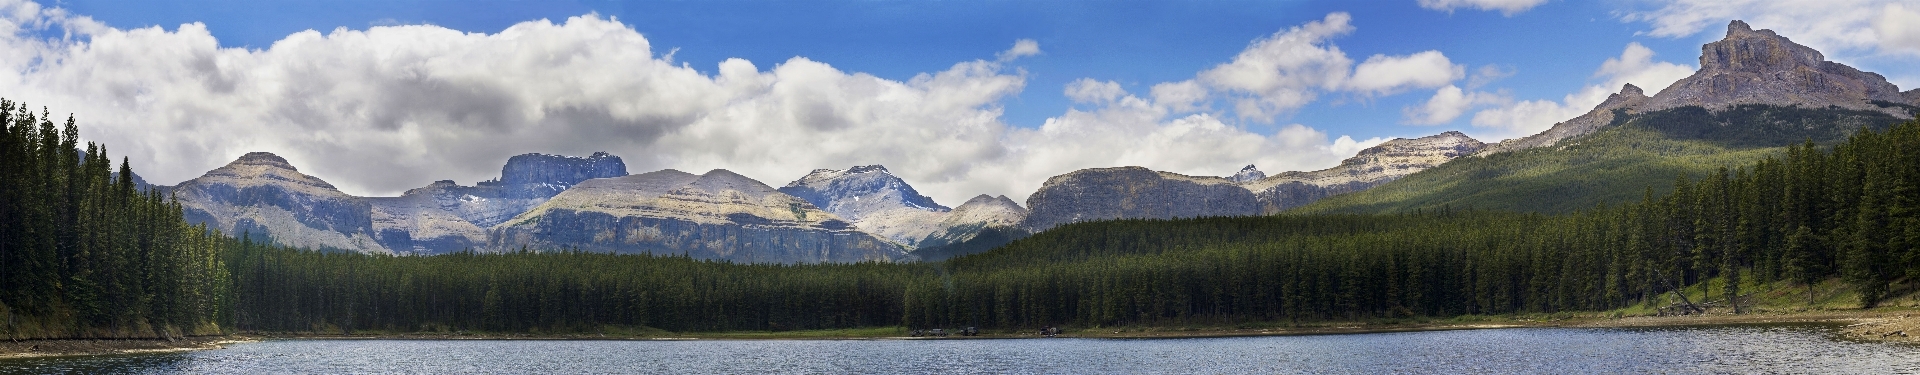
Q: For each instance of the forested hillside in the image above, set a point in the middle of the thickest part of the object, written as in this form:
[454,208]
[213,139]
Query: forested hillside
[1809,215]
[1613,166]
[85,254]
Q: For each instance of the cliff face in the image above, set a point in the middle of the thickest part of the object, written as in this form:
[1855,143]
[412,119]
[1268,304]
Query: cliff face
[1747,67]
[1133,193]
[547,175]
[1370,167]
[1760,67]
[446,217]
[261,194]
[719,215]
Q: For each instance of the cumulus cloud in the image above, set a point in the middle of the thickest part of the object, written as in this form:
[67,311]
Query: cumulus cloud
[1284,71]
[1447,104]
[1898,28]
[1381,74]
[1087,90]
[1832,26]
[388,108]
[1021,48]
[381,110]
[1507,8]
[1635,65]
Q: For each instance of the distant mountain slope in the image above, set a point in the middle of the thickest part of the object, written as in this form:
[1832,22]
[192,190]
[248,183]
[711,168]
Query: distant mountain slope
[1744,68]
[1755,93]
[1133,193]
[1370,167]
[873,199]
[719,215]
[446,217]
[261,194]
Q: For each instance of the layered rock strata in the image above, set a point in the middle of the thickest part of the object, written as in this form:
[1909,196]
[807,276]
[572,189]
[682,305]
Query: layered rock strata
[1370,167]
[1747,67]
[1133,193]
[720,215]
[261,194]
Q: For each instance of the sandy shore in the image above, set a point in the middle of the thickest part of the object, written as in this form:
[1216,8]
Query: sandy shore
[53,348]
[1883,325]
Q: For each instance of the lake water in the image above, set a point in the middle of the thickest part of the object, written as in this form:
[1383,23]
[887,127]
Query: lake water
[1705,350]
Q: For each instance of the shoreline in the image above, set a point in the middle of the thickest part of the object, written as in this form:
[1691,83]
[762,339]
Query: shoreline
[1901,325]
[40,348]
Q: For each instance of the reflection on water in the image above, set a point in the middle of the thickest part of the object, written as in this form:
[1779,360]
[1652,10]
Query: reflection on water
[1715,350]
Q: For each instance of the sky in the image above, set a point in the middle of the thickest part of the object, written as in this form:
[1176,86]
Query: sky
[958,98]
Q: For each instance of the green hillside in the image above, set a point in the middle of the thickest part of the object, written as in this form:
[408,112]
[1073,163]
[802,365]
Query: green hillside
[1615,165]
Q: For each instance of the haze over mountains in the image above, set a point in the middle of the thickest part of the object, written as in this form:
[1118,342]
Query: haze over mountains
[1754,89]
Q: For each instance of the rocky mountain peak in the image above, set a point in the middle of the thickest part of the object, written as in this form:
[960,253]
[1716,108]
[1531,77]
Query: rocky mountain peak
[1761,67]
[266,159]
[873,199]
[1746,67]
[560,170]
[867,168]
[856,191]
[1247,174]
[1744,49]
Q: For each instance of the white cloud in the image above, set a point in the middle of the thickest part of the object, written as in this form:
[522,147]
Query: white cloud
[1087,90]
[1830,26]
[1021,48]
[1183,96]
[1898,28]
[1449,103]
[1383,75]
[381,110]
[1487,74]
[1507,8]
[1635,65]
[1283,72]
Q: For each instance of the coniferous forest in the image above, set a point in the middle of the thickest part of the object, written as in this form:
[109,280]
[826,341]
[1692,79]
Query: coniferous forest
[86,254]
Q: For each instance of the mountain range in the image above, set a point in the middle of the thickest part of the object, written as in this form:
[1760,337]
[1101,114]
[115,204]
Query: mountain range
[1755,91]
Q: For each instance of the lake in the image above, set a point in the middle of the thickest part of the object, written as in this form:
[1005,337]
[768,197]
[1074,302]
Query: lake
[1681,350]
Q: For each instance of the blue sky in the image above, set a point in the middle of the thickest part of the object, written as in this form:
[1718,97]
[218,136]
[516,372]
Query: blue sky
[1551,49]
[1521,64]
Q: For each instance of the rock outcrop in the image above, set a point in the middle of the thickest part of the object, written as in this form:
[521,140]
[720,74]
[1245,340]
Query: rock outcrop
[262,194]
[1247,174]
[719,215]
[1630,99]
[528,175]
[1761,67]
[446,217]
[874,200]
[1133,193]
[980,213]
[1747,67]
[1370,167]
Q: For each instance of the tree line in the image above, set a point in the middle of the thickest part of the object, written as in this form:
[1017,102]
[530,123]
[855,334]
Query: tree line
[1816,213]
[84,253]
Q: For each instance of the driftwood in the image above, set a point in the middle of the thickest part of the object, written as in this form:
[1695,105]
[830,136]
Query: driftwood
[1686,308]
